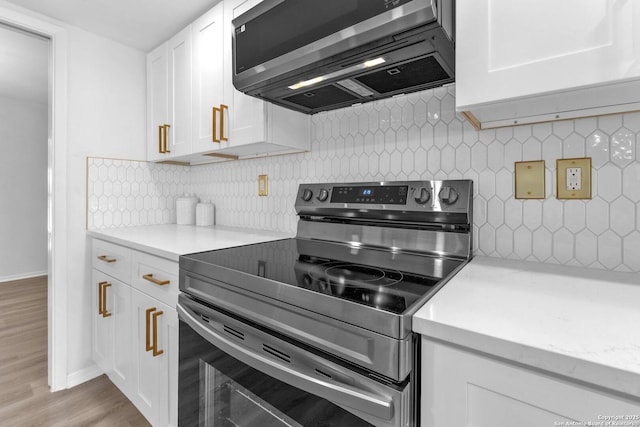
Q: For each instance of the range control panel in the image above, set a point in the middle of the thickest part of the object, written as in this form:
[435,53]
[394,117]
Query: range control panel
[391,194]
[354,199]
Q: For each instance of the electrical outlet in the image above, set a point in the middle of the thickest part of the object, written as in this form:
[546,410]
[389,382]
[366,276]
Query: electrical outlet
[573,178]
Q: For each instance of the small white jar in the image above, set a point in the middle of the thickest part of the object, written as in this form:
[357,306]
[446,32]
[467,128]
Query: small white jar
[205,214]
[186,209]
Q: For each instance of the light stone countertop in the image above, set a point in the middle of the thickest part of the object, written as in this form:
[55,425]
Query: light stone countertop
[579,323]
[171,240]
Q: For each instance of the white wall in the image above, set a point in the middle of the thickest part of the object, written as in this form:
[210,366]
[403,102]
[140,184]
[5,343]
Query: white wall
[23,189]
[107,113]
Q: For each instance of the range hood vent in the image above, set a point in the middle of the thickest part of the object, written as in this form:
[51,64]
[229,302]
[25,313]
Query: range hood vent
[367,50]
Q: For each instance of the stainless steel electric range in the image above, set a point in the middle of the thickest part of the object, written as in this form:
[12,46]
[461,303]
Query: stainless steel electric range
[316,330]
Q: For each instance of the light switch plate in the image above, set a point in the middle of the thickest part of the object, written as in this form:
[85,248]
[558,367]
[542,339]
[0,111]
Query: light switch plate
[573,178]
[263,185]
[530,180]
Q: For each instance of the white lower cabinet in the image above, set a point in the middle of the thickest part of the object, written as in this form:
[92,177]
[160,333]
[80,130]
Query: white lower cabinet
[155,364]
[463,388]
[135,328]
[112,317]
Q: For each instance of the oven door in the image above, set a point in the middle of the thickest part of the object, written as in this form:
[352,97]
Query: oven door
[234,373]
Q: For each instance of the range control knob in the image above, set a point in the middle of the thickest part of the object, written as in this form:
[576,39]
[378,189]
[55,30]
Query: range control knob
[421,195]
[323,194]
[448,195]
[307,195]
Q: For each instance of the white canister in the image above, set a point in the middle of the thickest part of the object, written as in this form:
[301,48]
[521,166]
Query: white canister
[186,209]
[204,213]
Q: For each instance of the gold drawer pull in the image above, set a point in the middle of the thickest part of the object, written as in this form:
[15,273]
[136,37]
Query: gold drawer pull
[105,258]
[152,279]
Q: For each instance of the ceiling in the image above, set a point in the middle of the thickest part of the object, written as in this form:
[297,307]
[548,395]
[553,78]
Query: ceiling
[141,24]
[24,65]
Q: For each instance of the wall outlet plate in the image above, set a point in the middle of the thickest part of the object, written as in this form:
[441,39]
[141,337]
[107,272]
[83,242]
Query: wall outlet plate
[263,185]
[573,178]
[530,180]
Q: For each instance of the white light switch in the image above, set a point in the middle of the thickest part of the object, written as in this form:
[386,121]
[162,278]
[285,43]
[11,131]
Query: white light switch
[574,178]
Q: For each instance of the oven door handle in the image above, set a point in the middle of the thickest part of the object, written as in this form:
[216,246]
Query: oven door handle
[341,394]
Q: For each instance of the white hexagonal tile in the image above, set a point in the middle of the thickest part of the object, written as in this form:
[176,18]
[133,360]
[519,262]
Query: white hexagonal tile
[441,135]
[623,216]
[552,214]
[495,158]
[586,126]
[487,184]
[433,110]
[447,159]
[563,244]
[531,149]
[495,212]
[623,146]
[631,181]
[631,249]
[513,213]
[522,243]
[433,160]
[551,150]
[609,249]
[532,214]
[504,241]
[609,182]
[487,136]
[479,157]
[597,147]
[463,159]
[486,239]
[586,247]
[479,211]
[597,216]
[504,184]
[573,146]
[542,244]
[575,215]
[610,123]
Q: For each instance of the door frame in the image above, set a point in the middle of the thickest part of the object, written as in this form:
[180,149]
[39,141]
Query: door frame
[57,253]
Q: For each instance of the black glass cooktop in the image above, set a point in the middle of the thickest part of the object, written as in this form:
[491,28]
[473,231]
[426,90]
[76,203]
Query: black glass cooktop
[377,278]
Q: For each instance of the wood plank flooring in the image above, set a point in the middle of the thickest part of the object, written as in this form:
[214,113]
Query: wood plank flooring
[25,399]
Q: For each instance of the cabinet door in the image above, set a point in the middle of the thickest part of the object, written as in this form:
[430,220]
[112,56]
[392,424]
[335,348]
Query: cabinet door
[157,100]
[460,388]
[179,47]
[111,326]
[155,353]
[208,75]
[246,114]
[507,49]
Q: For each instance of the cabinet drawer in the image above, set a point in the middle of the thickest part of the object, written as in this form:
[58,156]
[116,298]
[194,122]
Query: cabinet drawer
[111,259]
[156,277]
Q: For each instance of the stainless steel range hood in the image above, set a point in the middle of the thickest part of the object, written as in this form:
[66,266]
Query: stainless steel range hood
[313,56]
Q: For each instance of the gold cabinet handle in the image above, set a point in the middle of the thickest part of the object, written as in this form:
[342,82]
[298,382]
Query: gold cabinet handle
[148,346]
[105,258]
[222,110]
[160,146]
[153,280]
[105,312]
[164,134]
[214,123]
[156,352]
[100,304]
[151,337]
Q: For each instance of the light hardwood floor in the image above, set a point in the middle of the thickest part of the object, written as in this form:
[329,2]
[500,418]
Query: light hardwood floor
[25,399]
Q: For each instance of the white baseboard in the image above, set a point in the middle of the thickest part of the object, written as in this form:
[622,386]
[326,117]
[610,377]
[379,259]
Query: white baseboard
[83,375]
[22,276]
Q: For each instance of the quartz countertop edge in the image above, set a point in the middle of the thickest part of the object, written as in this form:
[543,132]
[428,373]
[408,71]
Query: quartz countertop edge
[171,240]
[576,323]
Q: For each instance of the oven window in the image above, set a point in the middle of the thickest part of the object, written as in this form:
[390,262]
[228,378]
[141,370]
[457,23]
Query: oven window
[217,390]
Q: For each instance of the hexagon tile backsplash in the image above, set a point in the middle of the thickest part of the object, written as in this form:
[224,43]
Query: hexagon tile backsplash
[419,136]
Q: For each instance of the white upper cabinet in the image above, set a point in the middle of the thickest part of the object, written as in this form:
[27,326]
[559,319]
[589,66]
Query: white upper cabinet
[208,66]
[169,98]
[526,62]
[196,115]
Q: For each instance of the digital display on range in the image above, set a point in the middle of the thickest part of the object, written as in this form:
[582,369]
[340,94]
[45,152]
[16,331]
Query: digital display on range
[387,195]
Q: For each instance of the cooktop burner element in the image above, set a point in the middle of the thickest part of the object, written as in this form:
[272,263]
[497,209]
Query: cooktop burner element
[356,275]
